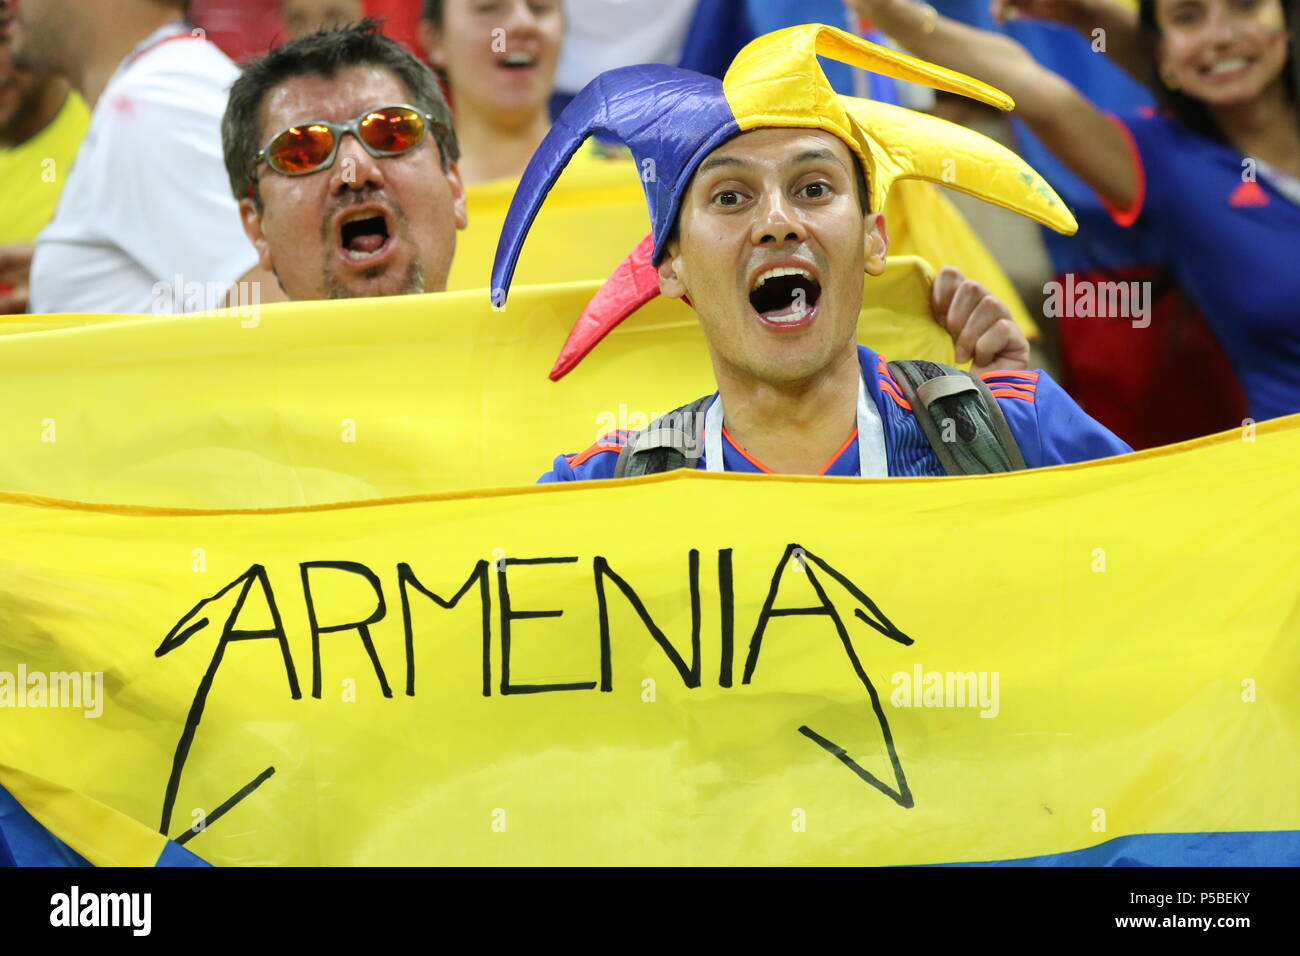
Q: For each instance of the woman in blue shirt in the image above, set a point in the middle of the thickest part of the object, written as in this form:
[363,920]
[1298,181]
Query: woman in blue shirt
[1215,176]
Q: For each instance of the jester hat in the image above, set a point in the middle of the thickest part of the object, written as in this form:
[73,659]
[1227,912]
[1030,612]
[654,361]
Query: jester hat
[671,119]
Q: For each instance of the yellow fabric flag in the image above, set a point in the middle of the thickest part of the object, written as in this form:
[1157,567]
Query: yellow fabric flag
[687,668]
[303,403]
[923,222]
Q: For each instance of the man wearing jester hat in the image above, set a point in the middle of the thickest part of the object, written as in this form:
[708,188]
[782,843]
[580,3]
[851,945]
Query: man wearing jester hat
[764,199]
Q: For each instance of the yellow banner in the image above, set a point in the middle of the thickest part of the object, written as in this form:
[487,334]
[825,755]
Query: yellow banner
[593,217]
[304,403]
[688,668]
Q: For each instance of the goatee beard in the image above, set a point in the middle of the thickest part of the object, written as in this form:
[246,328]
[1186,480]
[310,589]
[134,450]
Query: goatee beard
[412,282]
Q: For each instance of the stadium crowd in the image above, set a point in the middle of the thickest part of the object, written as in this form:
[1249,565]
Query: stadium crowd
[318,155]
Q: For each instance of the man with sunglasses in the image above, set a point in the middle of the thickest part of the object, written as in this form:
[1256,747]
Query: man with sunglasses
[340,150]
[143,217]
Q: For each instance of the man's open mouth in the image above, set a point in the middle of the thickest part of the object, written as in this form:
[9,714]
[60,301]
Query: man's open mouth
[785,295]
[363,236]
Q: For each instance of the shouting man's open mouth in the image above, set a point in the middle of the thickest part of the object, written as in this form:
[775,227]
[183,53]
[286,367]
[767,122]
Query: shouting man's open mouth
[365,237]
[784,294]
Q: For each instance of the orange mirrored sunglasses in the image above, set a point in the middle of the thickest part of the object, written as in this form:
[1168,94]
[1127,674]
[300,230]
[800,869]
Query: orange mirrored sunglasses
[310,147]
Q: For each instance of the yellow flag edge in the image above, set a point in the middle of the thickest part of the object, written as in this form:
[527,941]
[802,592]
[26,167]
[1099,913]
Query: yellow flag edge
[1275,426]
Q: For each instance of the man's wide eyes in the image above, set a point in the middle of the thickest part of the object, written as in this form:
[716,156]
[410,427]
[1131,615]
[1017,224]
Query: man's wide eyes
[731,197]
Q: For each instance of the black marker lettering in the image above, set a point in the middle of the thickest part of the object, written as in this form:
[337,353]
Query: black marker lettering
[406,576]
[901,794]
[690,675]
[508,615]
[361,627]
[727,610]
[191,624]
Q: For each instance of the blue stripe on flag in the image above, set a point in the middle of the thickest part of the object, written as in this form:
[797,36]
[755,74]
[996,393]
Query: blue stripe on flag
[174,854]
[1242,848]
[25,842]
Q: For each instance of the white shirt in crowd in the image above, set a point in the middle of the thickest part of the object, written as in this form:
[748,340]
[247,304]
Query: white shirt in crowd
[146,222]
[602,35]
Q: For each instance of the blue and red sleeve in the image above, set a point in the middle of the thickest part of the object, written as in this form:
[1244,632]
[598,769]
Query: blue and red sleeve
[1047,423]
[1148,149]
[598,461]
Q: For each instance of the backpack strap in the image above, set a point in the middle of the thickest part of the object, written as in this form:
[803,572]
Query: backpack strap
[960,417]
[674,440]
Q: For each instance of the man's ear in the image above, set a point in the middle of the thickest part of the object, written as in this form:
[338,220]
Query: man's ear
[876,243]
[430,38]
[252,222]
[671,272]
[457,195]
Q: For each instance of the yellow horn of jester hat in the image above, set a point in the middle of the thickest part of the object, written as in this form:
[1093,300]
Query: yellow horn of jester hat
[776,81]
[671,119]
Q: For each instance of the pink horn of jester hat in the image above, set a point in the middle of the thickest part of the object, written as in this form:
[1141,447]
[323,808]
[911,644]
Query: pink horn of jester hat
[671,119]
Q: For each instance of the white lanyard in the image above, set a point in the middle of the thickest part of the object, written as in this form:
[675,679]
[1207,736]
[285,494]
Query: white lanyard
[872,461]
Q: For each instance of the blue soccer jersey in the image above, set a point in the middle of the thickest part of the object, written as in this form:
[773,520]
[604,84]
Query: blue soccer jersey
[1050,428]
[1231,237]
